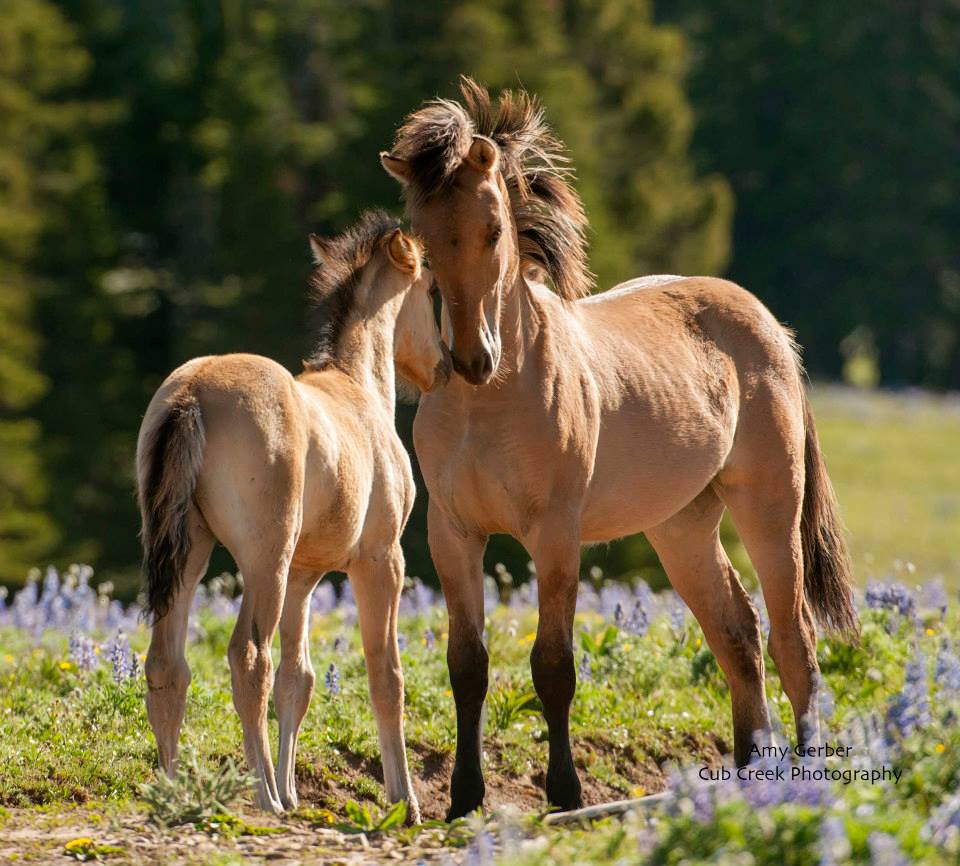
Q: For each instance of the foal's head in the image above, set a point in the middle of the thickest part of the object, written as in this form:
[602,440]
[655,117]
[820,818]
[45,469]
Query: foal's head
[487,186]
[371,268]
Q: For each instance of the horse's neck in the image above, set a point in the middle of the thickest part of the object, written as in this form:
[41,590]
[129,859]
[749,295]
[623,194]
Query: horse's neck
[365,354]
[522,322]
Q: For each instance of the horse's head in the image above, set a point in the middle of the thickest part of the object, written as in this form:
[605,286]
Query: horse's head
[375,267]
[484,186]
[469,232]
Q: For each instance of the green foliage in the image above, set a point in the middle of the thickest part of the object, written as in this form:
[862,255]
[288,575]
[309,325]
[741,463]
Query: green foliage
[506,704]
[194,794]
[835,125]
[365,819]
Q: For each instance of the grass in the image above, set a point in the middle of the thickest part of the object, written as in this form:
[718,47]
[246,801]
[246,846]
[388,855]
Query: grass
[893,461]
[644,702]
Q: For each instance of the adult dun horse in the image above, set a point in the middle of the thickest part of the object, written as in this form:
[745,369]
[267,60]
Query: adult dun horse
[650,407]
[295,477]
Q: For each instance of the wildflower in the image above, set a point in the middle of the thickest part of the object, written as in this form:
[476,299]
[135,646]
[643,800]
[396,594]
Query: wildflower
[910,709]
[339,644]
[401,641]
[639,621]
[834,843]
[946,673]
[82,652]
[122,660]
[429,640]
[885,850]
[332,679]
[584,670]
[943,828]
[890,596]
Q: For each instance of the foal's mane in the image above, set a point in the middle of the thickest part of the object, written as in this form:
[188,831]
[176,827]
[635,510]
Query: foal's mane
[333,283]
[547,210]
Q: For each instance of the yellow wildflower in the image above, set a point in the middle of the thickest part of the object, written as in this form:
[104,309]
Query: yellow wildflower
[66,666]
[930,632]
[638,791]
[940,748]
[529,638]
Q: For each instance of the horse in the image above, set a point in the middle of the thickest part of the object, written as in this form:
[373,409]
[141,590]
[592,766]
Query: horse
[295,476]
[578,419]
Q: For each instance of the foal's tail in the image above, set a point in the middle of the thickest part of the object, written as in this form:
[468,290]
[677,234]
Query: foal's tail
[168,463]
[826,563]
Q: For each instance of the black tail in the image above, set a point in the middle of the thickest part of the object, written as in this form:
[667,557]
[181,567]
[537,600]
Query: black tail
[826,562]
[168,463]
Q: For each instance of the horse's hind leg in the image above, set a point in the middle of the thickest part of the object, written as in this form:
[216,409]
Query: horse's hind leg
[765,507]
[377,586]
[264,572]
[295,678]
[689,548]
[167,672]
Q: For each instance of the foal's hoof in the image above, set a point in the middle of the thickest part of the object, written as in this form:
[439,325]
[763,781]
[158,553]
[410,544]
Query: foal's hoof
[268,804]
[465,798]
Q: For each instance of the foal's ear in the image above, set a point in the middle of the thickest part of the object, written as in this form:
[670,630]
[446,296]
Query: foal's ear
[320,248]
[483,154]
[396,167]
[403,253]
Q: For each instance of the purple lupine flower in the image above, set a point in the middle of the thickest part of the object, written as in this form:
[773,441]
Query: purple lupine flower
[834,842]
[332,679]
[401,641]
[618,615]
[122,661]
[82,652]
[946,674]
[934,597]
[885,850]
[943,828]
[910,709]
[639,620]
[339,644]
[429,640]
[584,668]
[890,596]
[678,617]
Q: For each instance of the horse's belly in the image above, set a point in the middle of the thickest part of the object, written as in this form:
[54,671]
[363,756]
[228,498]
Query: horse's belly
[643,475]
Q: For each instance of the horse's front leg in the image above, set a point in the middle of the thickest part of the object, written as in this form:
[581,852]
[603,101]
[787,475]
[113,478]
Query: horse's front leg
[458,558]
[556,554]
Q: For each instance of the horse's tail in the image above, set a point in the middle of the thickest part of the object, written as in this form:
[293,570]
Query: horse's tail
[826,562]
[168,463]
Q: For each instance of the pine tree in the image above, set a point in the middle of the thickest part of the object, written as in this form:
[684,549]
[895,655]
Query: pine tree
[39,62]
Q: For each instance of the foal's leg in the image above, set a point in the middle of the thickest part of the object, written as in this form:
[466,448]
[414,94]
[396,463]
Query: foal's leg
[556,553]
[295,678]
[377,586]
[458,559]
[167,672]
[689,547]
[264,580]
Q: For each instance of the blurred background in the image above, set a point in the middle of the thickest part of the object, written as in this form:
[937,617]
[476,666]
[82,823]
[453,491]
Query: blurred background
[162,162]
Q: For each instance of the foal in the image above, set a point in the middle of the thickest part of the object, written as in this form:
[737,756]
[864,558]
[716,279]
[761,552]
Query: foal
[295,476]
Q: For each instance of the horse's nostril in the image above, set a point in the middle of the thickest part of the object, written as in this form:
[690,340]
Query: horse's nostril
[486,365]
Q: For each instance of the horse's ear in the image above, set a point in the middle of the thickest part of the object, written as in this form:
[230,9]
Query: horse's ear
[396,167]
[320,249]
[483,154]
[403,252]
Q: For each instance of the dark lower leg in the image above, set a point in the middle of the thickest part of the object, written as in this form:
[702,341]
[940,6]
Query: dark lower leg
[467,661]
[555,679]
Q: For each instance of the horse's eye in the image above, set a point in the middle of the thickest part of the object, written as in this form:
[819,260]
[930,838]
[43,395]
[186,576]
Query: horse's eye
[495,235]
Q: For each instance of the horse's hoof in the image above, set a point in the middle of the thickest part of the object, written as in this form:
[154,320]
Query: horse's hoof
[466,796]
[565,794]
[290,803]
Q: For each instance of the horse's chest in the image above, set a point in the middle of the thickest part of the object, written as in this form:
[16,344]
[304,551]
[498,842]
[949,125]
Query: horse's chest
[486,482]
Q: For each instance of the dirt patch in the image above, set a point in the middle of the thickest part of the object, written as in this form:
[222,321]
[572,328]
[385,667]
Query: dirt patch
[331,788]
